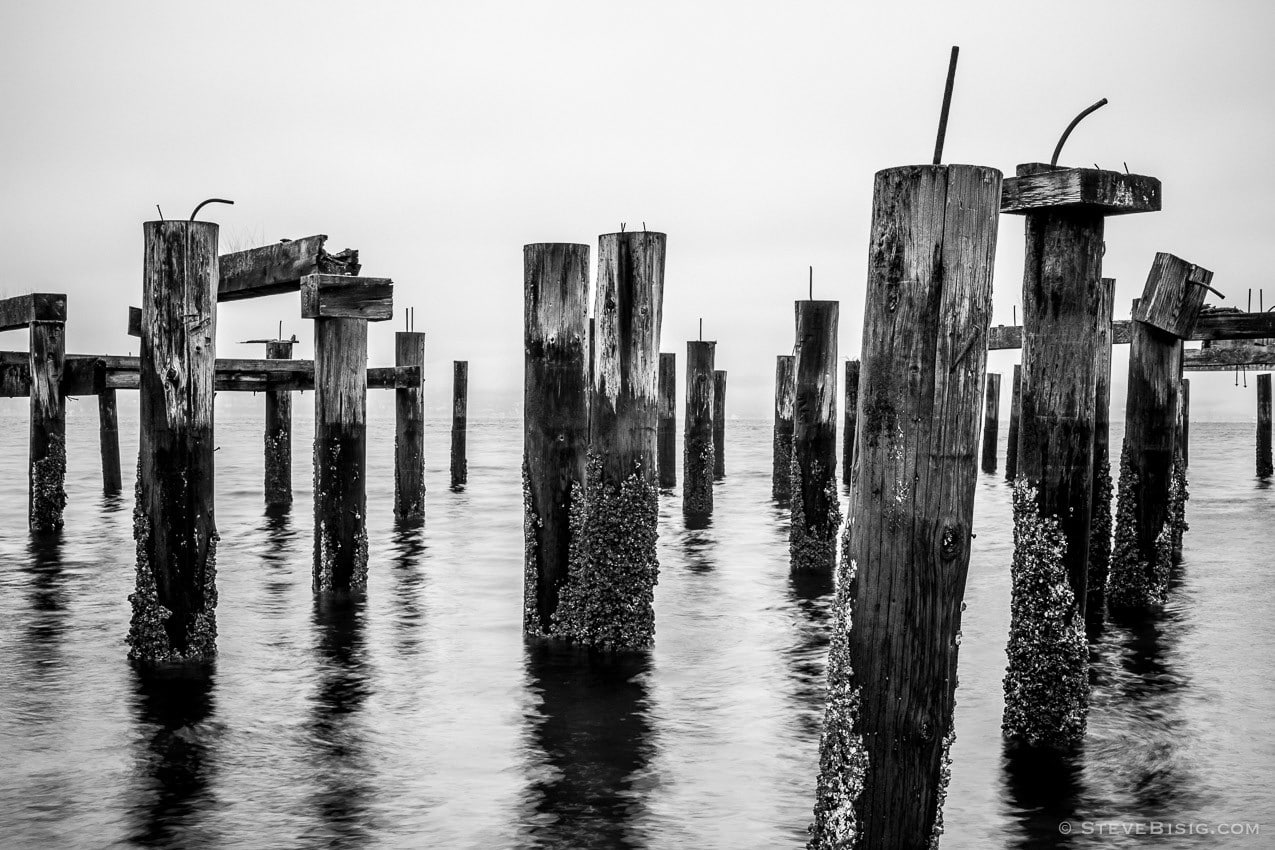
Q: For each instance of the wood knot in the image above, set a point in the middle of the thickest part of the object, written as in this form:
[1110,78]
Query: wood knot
[950,542]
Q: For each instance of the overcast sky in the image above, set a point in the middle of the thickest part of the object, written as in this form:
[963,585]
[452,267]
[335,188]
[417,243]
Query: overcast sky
[438,138]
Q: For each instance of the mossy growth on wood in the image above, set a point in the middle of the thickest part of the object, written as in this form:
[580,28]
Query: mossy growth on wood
[1137,581]
[1100,537]
[1047,680]
[48,486]
[812,540]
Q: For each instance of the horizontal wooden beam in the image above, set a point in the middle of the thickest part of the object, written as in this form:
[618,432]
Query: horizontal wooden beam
[1002,337]
[1226,359]
[280,267]
[327,296]
[1039,187]
[135,321]
[1219,325]
[21,310]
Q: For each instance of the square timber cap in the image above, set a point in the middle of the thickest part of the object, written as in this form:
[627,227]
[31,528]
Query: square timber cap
[337,296]
[1039,186]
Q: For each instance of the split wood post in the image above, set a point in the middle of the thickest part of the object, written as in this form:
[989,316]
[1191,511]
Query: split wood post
[668,420]
[892,660]
[174,606]
[47,447]
[719,424]
[697,438]
[785,388]
[1015,412]
[816,507]
[1264,460]
[1184,425]
[1047,682]
[1100,512]
[460,403]
[852,420]
[1146,512]
[607,600]
[409,429]
[991,416]
[278,449]
[109,439]
[341,307]
[556,420]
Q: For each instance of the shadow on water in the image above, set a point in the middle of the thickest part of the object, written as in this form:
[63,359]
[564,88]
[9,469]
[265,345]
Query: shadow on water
[593,730]
[174,708]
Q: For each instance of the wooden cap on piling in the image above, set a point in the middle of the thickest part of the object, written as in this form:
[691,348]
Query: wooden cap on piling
[1039,186]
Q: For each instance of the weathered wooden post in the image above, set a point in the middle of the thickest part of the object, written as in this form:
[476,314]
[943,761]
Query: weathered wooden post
[816,507]
[892,660]
[109,441]
[607,600]
[1100,512]
[1265,464]
[1015,411]
[668,420]
[341,307]
[697,438]
[460,401]
[174,606]
[1184,424]
[556,420]
[278,439]
[785,388]
[719,424]
[1047,683]
[1142,550]
[852,420]
[409,429]
[991,416]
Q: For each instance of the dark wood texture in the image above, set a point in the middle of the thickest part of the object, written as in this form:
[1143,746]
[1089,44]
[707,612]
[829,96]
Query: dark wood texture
[816,508]
[280,267]
[667,441]
[409,429]
[109,439]
[719,424]
[785,390]
[278,438]
[1265,466]
[1004,337]
[47,446]
[19,311]
[1100,511]
[991,421]
[697,437]
[135,321]
[1184,423]
[460,418]
[1173,295]
[1089,190]
[1218,359]
[330,296]
[1015,413]
[1219,325]
[851,420]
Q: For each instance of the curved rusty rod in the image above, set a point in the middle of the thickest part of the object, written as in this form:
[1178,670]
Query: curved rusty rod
[1053,163]
[206,203]
[1210,289]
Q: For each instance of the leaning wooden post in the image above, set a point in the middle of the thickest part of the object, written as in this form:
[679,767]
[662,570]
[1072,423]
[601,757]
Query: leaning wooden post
[47,458]
[852,420]
[109,440]
[1015,410]
[1264,460]
[460,401]
[607,600]
[278,440]
[892,675]
[1141,552]
[785,387]
[816,507]
[1047,682]
[668,420]
[991,417]
[174,606]
[697,439]
[341,307]
[719,424]
[1100,511]
[556,421]
[409,429]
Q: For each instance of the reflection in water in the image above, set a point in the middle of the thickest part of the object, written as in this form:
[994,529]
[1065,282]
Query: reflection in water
[810,593]
[175,761]
[279,545]
[699,545]
[408,546]
[46,622]
[593,728]
[1043,789]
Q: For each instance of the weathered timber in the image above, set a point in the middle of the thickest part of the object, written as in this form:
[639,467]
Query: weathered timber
[893,656]
[1229,358]
[719,424]
[991,421]
[607,600]
[121,373]
[135,321]
[1184,423]
[18,312]
[1173,295]
[1039,187]
[1008,337]
[1265,465]
[785,388]
[460,420]
[1222,325]
[1100,511]
[667,442]
[280,267]
[816,506]
[47,453]
[556,420]
[328,296]
[1015,408]
[278,438]
[409,429]
[697,437]
[81,374]
[109,440]
[174,605]
[851,420]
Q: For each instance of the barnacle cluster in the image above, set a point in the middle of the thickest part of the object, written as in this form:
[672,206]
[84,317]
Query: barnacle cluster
[945,779]
[328,545]
[278,468]
[781,476]
[1137,582]
[1100,535]
[812,540]
[1178,495]
[48,490]
[531,521]
[697,474]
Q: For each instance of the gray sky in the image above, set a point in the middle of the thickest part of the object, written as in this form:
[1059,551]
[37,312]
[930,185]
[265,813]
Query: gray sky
[438,138]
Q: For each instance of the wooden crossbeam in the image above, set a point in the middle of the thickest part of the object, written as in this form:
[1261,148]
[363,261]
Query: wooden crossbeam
[1218,325]
[1002,337]
[326,296]
[20,311]
[1227,359]
[280,267]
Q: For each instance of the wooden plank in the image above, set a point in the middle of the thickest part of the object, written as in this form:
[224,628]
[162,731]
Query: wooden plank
[1173,295]
[1227,359]
[1221,325]
[280,267]
[21,310]
[667,438]
[991,421]
[81,375]
[851,420]
[1005,337]
[1104,192]
[330,296]
[785,389]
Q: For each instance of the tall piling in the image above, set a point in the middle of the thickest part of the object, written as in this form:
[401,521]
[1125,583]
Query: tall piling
[719,424]
[991,421]
[816,507]
[893,655]
[697,439]
[409,429]
[174,605]
[108,423]
[668,420]
[555,418]
[1184,424]
[785,389]
[1015,412]
[1264,459]
[278,439]
[851,420]
[1100,510]
[607,600]
[460,402]
[47,455]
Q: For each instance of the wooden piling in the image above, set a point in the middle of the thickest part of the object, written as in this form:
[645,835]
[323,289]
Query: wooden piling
[1100,510]
[556,420]
[460,402]
[607,600]
[785,388]
[1015,412]
[174,605]
[47,457]
[278,439]
[409,430]
[697,438]
[851,420]
[719,424]
[109,439]
[1184,423]
[668,420]
[1265,466]
[991,416]
[816,507]
[893,654]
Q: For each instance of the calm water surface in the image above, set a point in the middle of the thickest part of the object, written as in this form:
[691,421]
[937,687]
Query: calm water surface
[419,718]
